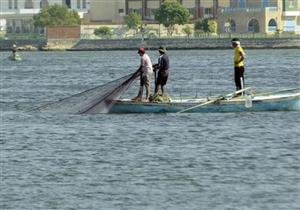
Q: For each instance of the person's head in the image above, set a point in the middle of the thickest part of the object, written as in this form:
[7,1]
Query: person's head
[141,51]
[162,50]
[235,42]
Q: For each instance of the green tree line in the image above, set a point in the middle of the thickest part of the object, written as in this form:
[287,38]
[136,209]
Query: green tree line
[56,15]
[169,14]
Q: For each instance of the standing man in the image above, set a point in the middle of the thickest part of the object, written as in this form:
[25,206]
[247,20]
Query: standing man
[146,73]
[14,51]
[239,57]
[163,70]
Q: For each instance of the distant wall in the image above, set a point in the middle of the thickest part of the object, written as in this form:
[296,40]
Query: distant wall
[184,43]
[23,44]
[129,44]
[60,44]
[63,32]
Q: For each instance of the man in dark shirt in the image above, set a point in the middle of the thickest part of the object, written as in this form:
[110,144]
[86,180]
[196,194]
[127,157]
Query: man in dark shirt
[163,70]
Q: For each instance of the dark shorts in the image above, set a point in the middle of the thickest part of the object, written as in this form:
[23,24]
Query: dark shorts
[162,77]
[238,74]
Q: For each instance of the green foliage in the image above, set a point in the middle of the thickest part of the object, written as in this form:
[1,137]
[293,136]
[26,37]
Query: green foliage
[205,26]
[56,15]
[212,26]
[187,30]
[171,12]
[103,31]
[133,21]
[200,25]
[152,35]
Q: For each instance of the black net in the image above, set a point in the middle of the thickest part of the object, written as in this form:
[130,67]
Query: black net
[96,100]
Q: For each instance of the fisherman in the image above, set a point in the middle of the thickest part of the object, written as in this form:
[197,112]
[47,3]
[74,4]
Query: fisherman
[14,50]
[146,73]
[239,57]
[163,70]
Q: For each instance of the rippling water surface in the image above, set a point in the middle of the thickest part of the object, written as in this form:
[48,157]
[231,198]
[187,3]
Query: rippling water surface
[219,161]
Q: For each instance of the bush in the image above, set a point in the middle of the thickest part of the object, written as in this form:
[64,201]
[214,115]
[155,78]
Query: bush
[104,32]
[187,30]
[133,21]
[205,26]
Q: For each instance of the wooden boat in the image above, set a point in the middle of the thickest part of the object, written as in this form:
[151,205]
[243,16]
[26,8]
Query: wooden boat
[284,100]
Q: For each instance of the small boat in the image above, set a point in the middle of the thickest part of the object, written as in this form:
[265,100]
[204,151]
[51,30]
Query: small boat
[284,100]
[17,57]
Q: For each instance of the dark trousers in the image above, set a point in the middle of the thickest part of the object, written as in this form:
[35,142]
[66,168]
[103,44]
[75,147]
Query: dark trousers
[238,74]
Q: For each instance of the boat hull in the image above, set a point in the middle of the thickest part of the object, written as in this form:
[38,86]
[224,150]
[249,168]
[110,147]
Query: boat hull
[289,102]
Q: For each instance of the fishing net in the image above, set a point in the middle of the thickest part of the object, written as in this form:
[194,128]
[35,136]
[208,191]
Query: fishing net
[96,100]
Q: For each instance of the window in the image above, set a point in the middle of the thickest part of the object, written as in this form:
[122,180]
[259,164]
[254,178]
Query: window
[138,11]
[242,3]
[78,4]
[291,3]
[265,3]
[150,13]
[230,26]
[289,25]
[9,4]
[253,26]
[272,26]
[192,12]
[16,4]
[44,3]
[28,4]
[67,3]
[83,4]
[208,12]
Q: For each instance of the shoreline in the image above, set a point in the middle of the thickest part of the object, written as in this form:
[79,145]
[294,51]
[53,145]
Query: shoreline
[150,44]
[171,48]
[129,49]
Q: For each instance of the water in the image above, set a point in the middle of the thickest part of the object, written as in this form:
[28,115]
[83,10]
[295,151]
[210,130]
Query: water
[234,161]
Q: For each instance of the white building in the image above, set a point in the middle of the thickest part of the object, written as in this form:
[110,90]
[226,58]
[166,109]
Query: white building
[16,16]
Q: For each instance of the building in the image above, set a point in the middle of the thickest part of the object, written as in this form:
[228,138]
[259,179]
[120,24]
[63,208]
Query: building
[16,16]
[260,16]
[107,11]
[291,16]
[113,11]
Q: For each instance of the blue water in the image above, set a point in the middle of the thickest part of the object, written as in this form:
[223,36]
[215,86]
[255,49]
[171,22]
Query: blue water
[232,161]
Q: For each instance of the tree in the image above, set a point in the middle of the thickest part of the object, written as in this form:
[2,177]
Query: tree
[187,30]
[205,26]
[171,12]
[212,26]
[200,25]
[103,31]
[56,15]
[133,21]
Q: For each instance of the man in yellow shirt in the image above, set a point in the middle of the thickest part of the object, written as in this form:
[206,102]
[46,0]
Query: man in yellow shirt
[239,57]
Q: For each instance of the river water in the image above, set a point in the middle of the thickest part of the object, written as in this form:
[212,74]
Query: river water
[232,161]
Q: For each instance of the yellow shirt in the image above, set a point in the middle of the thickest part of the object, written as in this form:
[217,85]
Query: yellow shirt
[237,56]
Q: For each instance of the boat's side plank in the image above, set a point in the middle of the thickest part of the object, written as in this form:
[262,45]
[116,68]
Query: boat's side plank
[284,102]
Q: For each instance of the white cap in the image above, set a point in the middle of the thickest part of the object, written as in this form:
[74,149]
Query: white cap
[236,42]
